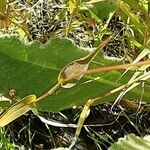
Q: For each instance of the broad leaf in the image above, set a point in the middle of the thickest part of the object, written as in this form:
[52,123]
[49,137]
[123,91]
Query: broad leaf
[34,69]
[132,142]
[101,10]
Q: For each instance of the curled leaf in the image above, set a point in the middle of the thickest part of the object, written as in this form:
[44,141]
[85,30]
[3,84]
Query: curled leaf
[78,66]
[17,110]
[70,70]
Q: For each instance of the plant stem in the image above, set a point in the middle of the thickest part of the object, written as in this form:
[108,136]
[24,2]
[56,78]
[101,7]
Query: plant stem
[50,92]
[93,100]
[71,17]
[108,68]
[69,25]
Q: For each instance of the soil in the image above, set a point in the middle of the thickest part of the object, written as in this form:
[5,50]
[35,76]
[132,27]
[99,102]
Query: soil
[30,132]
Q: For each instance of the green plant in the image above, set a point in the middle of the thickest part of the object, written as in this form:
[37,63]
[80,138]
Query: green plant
[136,16]
[76,76]
[5,144]
[10,19]
[131,142]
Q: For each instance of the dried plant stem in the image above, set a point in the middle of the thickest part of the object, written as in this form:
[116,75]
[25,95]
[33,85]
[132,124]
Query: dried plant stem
[108,68]
[81,120]
[50,92]
[102,69]
[142,77]
[92,101]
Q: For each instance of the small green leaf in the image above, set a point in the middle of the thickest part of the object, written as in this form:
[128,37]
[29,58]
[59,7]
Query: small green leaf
[102,10]
[4,104]
[17,110]
[73,4]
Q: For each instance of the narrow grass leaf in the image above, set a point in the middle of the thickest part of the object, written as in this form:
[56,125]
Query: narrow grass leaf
[135,20]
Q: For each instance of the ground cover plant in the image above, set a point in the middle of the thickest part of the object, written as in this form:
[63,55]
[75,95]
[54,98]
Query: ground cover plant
[87,55]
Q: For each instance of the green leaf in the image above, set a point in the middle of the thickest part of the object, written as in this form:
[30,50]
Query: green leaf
[17,110]
[5,143]
[4,104]
[134,4]
[134,18]
[132,142]
[73,4]
[34,69]
[102,10]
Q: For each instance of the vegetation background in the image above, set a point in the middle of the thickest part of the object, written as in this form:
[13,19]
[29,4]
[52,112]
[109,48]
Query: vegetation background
[56,46]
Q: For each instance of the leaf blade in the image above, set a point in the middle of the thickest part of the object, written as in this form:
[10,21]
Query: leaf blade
[17,110]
